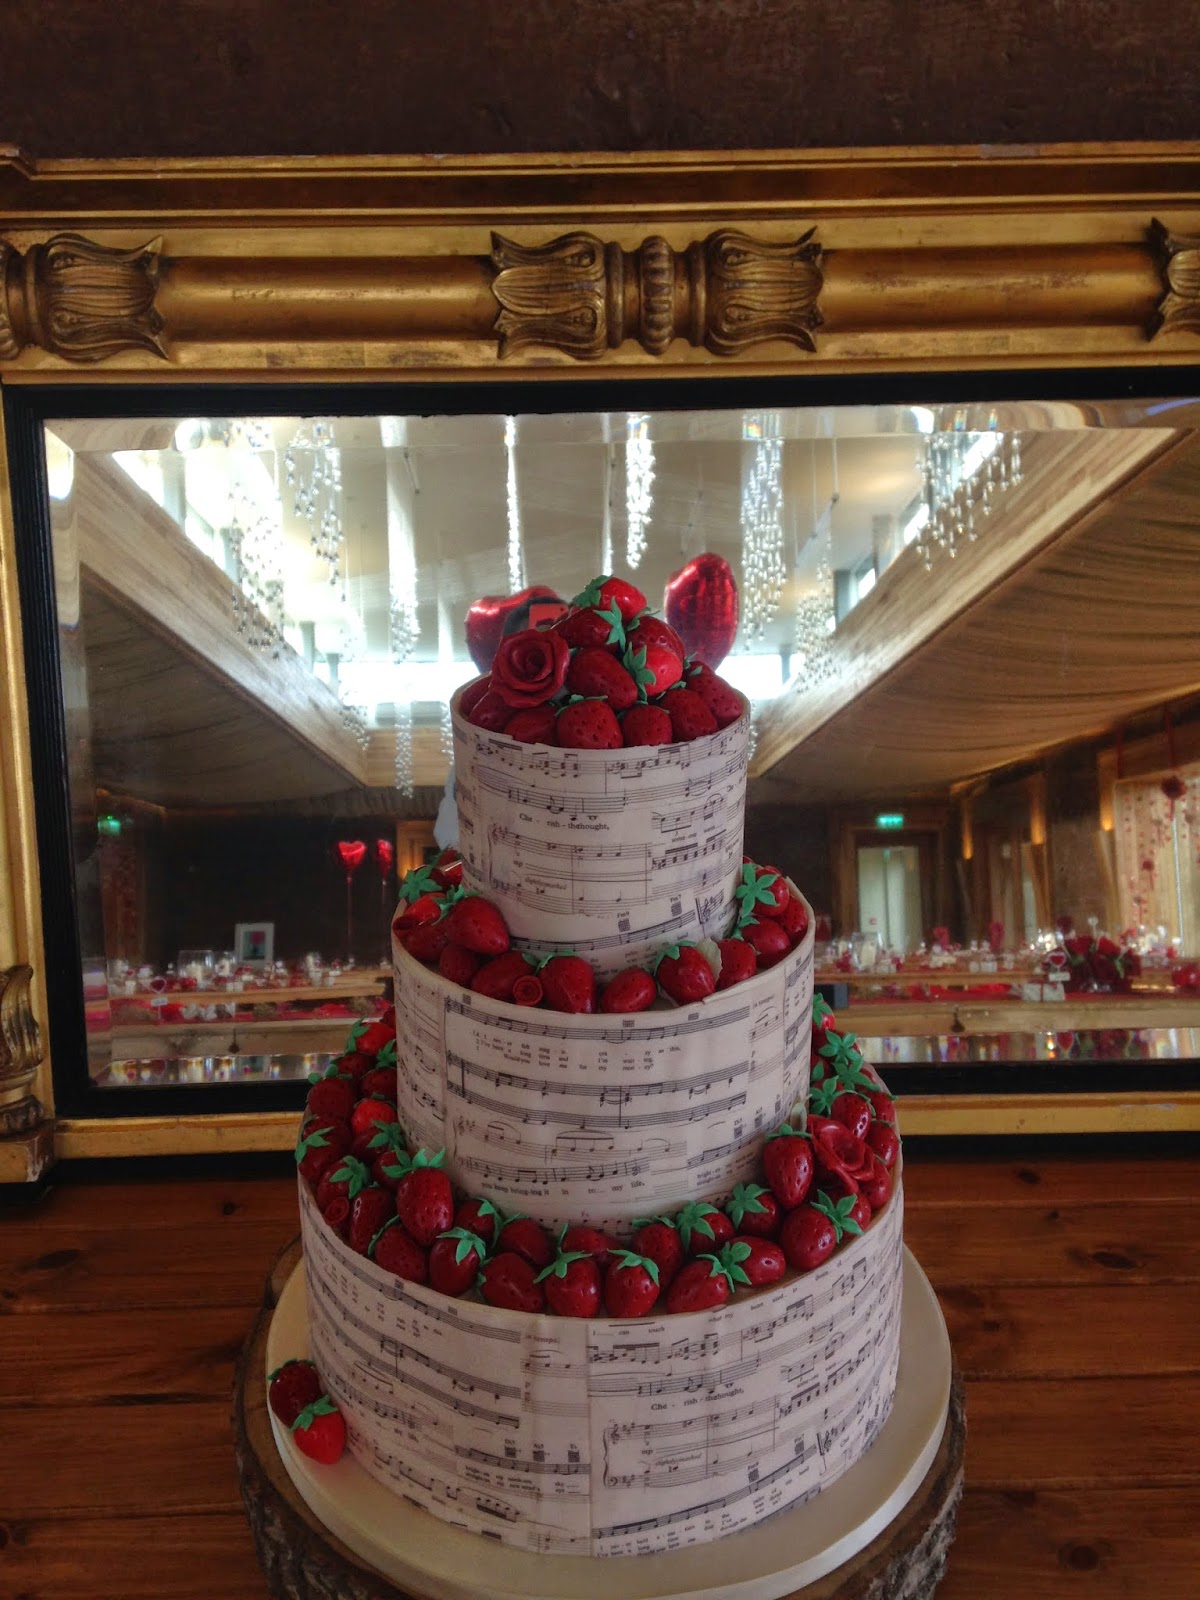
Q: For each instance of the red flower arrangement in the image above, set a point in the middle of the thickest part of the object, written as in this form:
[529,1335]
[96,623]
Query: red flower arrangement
[1098,963]
[530,668]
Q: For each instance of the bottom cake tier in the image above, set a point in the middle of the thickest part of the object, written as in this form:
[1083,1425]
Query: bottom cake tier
[609,1437]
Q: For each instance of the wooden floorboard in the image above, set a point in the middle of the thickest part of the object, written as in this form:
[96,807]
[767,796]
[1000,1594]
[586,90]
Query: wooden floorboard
[1070,1288]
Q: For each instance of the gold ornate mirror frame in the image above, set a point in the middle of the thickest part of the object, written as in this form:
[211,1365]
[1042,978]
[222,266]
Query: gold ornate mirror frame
[447,269]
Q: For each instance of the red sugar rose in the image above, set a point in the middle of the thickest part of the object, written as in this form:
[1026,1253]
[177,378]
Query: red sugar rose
[530,668]
[839,1152]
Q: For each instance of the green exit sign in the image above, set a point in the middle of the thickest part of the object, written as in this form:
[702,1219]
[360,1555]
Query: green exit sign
[890,819]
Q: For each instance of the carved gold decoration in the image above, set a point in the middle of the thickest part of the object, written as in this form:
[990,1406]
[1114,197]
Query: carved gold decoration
[761,291]
[20,1052]
[79,300]
[1179,258]
[583,297]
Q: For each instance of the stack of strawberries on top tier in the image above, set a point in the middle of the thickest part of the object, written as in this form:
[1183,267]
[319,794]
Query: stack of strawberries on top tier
[465,938]
[824,1176]
[608,674]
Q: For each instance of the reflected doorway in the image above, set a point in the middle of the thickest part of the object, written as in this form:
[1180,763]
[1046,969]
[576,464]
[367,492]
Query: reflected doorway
[889,894]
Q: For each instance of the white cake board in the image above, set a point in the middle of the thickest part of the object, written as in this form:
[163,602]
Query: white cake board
[417,1551]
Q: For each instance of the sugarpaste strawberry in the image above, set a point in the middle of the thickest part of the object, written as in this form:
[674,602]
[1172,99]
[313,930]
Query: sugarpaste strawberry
[568,983]
[320,1431]
[630,1284]
[424,1201]
[508,1280]
[788,1164]
[526,1237]
[629,991]
[291,1387]
[701,1284]
[455,1258]
[690,717]
[658,1239]
[739,961]
[754,1210]
[395,1250]
[588,725]
[597,675]
[478,925]
[684,974]
[646,725]
[571,1284]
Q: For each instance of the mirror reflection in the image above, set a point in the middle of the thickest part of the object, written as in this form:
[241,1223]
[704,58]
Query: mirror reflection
[968,635]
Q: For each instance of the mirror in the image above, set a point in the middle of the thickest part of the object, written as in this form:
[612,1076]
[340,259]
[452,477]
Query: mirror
[968,634]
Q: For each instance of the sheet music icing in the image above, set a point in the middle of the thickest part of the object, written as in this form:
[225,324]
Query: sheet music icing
[611,853]
[607,1437]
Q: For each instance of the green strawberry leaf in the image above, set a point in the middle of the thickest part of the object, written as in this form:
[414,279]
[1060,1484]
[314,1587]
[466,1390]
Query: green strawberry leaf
[745,1199]
[321,1407]
[616,623]
[388,1136]
[822,1095]
[316,1140]
[387,1056]
[629,1258]
[591,596]
[784,1131]
[821,1008]
[838,1212]
[467,1241]
[694,1219]
[424,1159]
[354,1173]
[418,882]
[558,1267]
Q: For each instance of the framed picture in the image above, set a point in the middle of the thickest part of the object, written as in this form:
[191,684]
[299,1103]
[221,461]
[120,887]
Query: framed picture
[254,943]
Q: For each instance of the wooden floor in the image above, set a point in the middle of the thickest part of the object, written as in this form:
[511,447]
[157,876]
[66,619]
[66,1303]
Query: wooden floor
[1071,1288]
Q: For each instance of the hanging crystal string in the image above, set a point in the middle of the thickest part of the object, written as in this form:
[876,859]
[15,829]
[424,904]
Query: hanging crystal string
[254,530]
[639,486]
[965,476]
[606,516]
[763,573]
[516,555]
[312,466]
[815,615]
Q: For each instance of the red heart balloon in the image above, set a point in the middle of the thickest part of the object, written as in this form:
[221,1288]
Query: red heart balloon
[701,604]
[486,619]
[351,853]
[385,854]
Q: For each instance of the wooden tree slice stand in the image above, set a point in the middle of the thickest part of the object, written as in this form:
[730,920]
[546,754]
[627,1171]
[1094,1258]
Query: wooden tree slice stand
[302,1560]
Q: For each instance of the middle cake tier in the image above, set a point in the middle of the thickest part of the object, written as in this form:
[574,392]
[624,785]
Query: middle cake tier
[601,1118]
[610,853]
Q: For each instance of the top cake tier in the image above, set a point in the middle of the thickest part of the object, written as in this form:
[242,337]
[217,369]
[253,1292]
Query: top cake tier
[609,853]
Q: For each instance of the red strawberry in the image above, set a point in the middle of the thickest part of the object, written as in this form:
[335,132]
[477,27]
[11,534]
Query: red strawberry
[721,698]
[495,979]
[603,591]
[347,1179]
[701,1284]
[588,725]
[653,667]
[754,1210]
[759,1261]
[882,1105]
[479,1217]
[684,974]
[646,725]
[739,961]
[458,964]
[477,924]
[853,1112]
[690,717]
[535,725]
[860,1210]
[778,896]
[321,1144]
[473,694]
[353,1065]
[807,1239]
[702,1227]
[370,1111]
[768,940]
[569,984]
[658,1239]
[320,1431]
[509,1280]
[794,920]
[595,674]
[379,1084]
[649,629]
[630,1284]
[528,990]
[571,1284]
[427,908]
[524,1237]
[447,870]
[631,990]
[291,1387]
[395,1250]
[593,625]
[426,944]
[884,1141]
[336,1215]
[491,712]
[788,1164]
[455,1258]
[331,1097]
[877,1187]
[369,1210]
[371,1038]
[424,1202]
[589,1241]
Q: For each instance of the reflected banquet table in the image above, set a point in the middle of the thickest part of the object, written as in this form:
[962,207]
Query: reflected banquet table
[303,1560]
